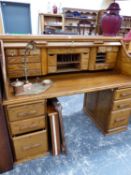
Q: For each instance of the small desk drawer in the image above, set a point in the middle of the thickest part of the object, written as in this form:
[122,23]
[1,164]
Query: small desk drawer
[104,66]
[32,52]
[30,145]
[122,104]
[23,126]
[26,111]
[118,118]
[11,52]
[123,93]
[20,60]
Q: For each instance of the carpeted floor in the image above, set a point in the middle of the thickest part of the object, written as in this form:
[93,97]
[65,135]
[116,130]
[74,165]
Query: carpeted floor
[89,152]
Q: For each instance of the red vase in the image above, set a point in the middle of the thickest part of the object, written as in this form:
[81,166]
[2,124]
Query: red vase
[111,21]
[54,9]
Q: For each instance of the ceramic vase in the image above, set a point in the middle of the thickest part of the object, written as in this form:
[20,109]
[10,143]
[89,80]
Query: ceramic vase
[111,20]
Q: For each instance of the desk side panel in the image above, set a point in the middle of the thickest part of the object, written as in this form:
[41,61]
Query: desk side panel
[124,61]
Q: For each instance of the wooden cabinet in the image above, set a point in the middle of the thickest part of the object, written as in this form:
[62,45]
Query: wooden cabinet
[72,16]
[111,114]
[68,21]
[48,23]
[28,129]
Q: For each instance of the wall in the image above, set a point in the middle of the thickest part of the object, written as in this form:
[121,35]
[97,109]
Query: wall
[124,5]
[41,6]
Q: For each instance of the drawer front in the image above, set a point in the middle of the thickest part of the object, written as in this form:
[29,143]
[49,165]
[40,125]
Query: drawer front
[52,69]
[11,52]
[26,111]
[20,73]
[30,145]
[32,52]
[52,60]
[123,93]
[111,57]
[17,70]
[33,124]
[104,66]
[122,104]
[21,66]
[18,59]
[118,118]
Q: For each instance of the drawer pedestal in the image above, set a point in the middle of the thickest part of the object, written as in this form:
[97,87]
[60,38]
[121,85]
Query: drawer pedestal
[110,109]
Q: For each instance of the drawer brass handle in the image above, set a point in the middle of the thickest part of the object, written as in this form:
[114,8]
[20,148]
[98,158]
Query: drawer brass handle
[28,147]
[120,119]
[123,106]
[29,127]
[125,94]
[24,114]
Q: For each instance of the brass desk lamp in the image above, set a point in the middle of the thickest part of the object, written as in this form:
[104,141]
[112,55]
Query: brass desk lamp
[30,46]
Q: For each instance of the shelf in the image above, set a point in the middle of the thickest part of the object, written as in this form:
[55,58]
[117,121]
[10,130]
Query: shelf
[80,26]
[51,15]
[52,25]
[74,15]
[80,18]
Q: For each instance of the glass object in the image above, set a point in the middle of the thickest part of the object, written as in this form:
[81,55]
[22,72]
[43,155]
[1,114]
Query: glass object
[48,7]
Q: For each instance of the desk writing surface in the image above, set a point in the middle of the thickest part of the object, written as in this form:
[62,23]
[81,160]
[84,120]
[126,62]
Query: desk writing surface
[69,84]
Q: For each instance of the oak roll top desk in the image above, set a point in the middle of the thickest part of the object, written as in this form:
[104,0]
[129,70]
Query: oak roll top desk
[96,66]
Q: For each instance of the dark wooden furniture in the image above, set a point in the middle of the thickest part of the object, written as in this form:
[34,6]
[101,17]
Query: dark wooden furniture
[6,157]
[110,109]
[96,66]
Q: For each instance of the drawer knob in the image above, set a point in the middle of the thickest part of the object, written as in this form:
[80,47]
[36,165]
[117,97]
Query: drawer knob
[33,126]
[28,147]
[120,119]
[24,114]
[123,106]
[125,94]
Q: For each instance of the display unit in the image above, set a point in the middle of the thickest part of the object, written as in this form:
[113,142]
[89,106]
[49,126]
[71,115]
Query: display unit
[50,22]
[72,16]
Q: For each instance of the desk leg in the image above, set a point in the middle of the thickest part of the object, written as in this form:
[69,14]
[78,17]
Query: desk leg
[6,158]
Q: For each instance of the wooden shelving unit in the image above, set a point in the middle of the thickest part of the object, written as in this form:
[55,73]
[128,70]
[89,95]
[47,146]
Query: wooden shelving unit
[68,21]
[126,25]
[52,21]
[72,16]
